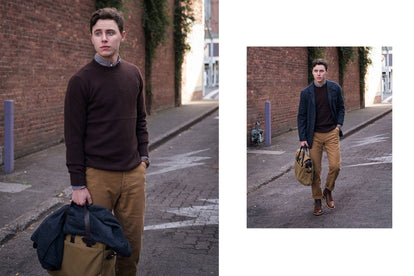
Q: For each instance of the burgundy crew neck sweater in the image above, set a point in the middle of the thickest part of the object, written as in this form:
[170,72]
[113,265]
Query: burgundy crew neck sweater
[324,120]
[105,120]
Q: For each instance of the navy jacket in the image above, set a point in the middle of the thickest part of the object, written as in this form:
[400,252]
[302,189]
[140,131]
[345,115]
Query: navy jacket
[307,110]
[50,235]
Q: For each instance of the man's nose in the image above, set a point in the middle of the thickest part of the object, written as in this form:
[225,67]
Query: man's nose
[104,38]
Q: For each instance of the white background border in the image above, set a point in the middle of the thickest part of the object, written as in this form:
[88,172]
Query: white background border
[312,23]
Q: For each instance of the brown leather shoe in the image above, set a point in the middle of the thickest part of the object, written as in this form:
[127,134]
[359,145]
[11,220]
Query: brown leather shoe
[317,211]
[330,203]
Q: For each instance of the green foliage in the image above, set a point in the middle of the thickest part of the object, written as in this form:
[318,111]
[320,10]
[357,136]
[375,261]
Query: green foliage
[364,62]
[99,4]
[345,54]
[313,53]
[183,21]
[155,22]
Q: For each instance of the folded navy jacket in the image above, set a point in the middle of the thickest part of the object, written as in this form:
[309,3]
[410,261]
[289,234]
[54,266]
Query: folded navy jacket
[49,237]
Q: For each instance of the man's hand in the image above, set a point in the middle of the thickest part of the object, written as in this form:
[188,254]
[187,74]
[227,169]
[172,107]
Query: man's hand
[304,144]
[81,196]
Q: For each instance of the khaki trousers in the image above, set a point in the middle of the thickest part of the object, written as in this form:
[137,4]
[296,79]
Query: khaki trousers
[329,141]
[124,194]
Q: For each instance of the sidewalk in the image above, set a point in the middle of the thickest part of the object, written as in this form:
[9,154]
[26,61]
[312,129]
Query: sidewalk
[280,154]
[40,181]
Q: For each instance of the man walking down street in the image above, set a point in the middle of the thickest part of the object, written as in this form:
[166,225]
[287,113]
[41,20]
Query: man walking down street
[106,133]
[320,118]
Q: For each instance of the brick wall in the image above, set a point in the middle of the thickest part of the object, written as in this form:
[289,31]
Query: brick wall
[278,75]
[350,87]
[43,44]
[163,72]
[271,76]
[331,55]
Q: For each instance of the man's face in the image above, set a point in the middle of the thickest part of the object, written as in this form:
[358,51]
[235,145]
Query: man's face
[106,39]
[319,74]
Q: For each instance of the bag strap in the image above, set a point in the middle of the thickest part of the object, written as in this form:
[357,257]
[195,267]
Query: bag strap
[302,150]
[87,239]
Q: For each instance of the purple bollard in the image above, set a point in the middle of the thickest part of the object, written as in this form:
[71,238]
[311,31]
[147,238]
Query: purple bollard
[8,136]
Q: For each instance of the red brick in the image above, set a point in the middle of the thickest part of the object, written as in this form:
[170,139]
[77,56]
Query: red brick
[278,75]
[43,44]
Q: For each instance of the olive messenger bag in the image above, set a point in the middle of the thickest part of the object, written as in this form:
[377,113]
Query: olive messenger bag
[84,256]
[304,170]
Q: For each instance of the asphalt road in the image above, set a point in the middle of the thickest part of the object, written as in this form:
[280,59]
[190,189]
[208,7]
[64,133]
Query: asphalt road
[363,193]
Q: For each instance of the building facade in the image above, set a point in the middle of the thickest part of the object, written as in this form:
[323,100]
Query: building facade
[45,42]
[211,44]
[279,74]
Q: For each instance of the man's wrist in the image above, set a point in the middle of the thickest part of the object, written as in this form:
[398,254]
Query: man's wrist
[74,188]
[146,161]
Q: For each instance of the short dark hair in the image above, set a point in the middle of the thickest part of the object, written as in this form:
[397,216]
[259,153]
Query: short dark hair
[108,13]
[320,61]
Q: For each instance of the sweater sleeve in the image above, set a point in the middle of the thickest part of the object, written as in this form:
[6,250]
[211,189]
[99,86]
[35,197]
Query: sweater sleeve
[75,111]
[141,126]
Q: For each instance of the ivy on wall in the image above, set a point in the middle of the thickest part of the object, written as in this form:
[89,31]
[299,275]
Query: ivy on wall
[364,62]
[345,55]
[155,22]
[99,4]
[183,21]
[313,53]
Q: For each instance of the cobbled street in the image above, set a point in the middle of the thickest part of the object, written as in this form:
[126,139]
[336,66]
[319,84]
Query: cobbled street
[181,232]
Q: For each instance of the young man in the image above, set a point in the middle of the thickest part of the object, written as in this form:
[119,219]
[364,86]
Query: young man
[320,118]
[106,133]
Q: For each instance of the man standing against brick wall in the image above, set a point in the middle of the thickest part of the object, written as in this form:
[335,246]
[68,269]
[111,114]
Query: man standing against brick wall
[320,118]
[106,133]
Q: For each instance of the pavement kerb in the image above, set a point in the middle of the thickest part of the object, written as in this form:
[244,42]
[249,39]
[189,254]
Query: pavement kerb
[22,222]
[367,122]
[180,128]
[289,166]
[25,220]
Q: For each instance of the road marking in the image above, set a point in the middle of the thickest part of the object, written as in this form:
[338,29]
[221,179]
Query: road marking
[202,215]
[272,152]
[370,140]
[12,187]
[378,160]
[178,162]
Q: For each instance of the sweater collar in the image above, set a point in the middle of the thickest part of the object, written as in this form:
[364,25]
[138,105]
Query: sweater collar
[106,63]
[317,85]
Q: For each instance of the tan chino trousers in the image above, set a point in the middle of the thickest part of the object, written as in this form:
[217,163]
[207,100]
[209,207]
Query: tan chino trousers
[124,194]
[329,141]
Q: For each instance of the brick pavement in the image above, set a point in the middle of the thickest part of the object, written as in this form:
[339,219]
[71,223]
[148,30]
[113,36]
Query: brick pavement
[47,180]
[181,222]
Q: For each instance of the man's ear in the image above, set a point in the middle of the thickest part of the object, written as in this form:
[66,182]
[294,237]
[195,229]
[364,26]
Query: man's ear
[123,36]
